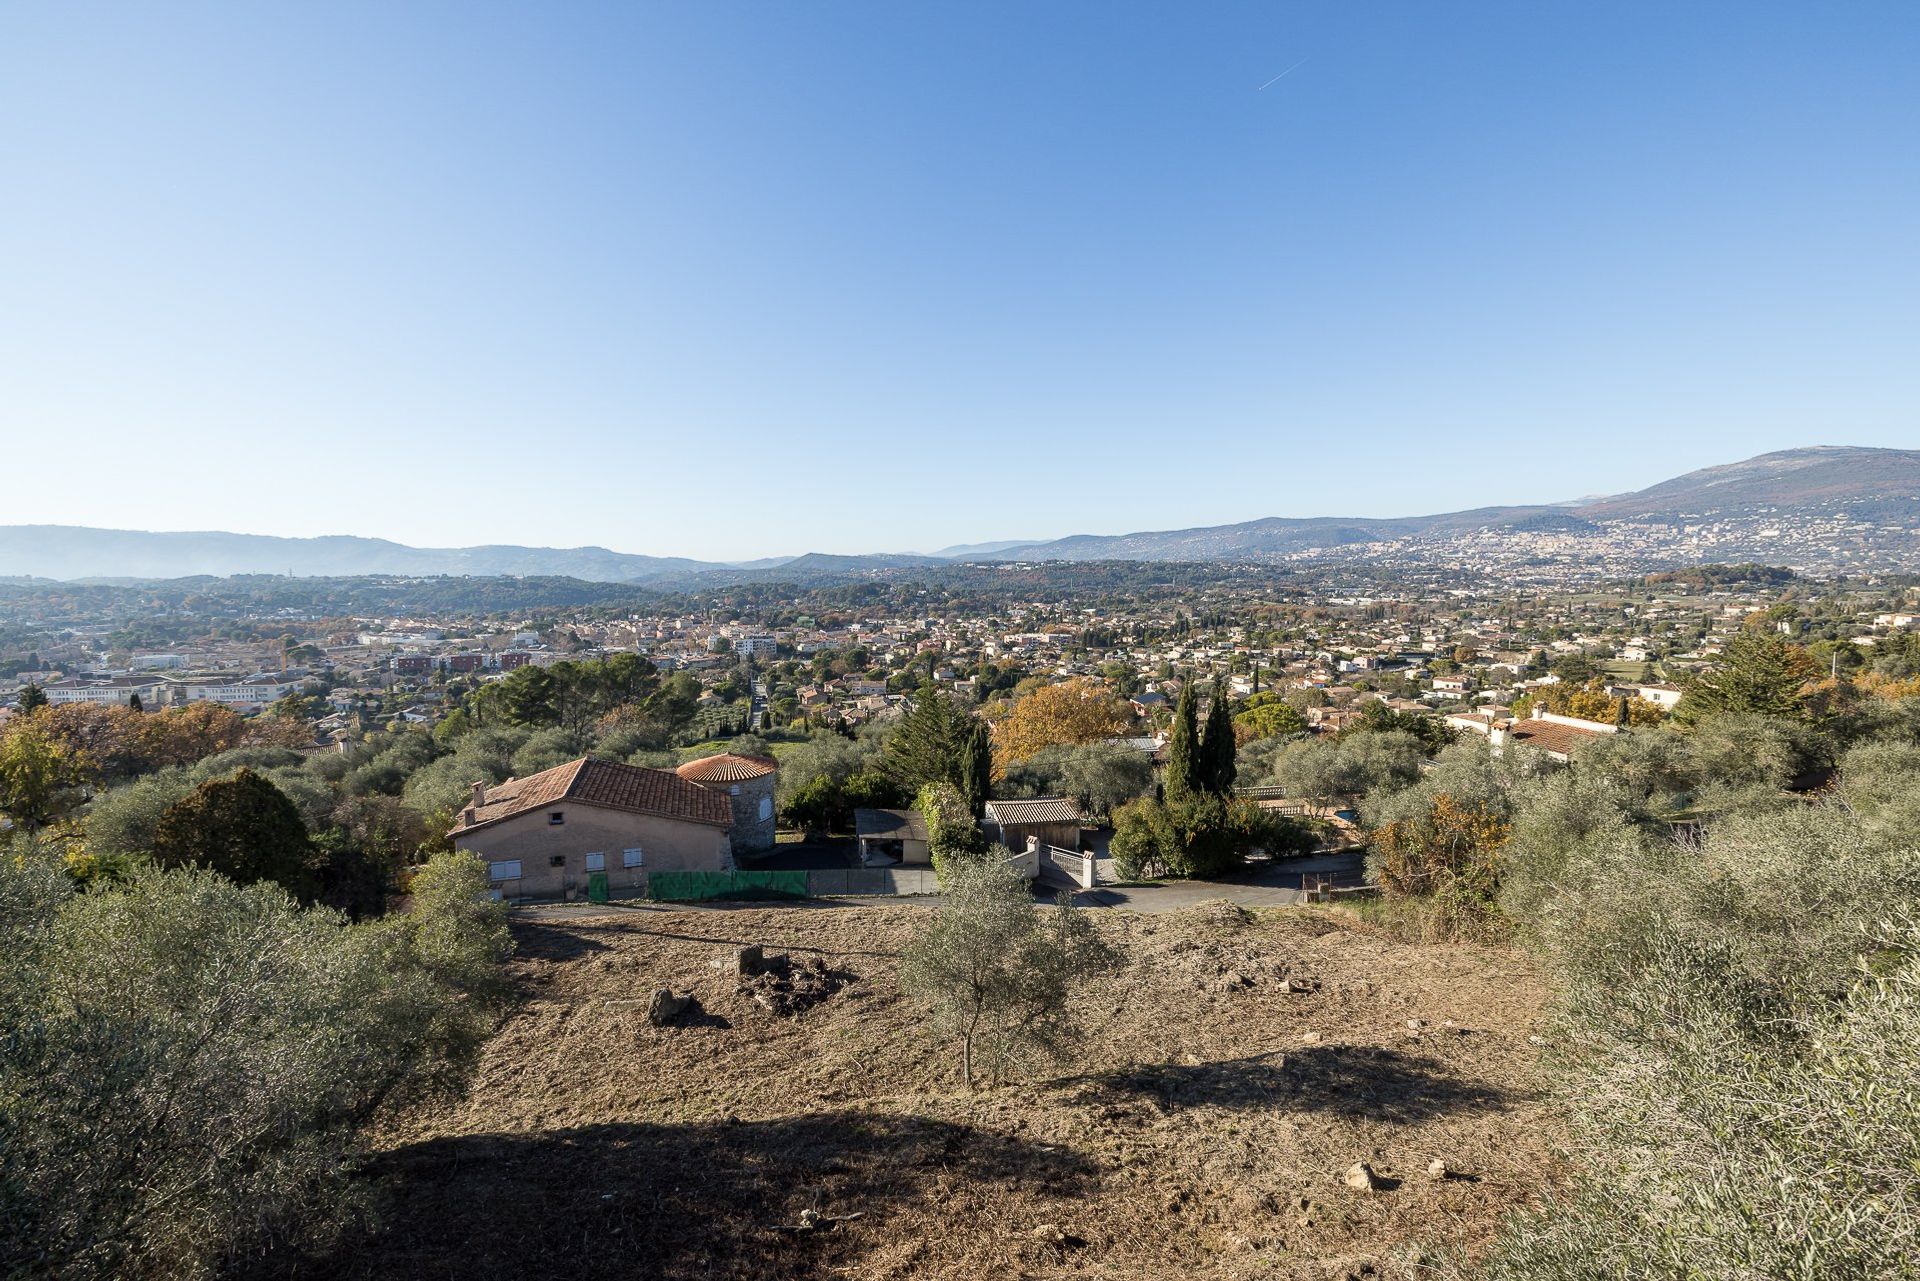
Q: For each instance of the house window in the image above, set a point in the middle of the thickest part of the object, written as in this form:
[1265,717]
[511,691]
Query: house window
[558,860]
[507,871]
[766,808]
[555,818]
[734,790]
[631,858]
[596,862]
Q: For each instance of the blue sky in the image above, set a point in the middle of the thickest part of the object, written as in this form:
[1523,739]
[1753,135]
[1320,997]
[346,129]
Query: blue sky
[736,280]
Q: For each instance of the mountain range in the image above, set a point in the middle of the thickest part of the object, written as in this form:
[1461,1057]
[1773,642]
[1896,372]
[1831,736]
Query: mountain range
[1819,508]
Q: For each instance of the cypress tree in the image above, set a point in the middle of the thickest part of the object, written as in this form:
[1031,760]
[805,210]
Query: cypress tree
[976,765]
[1185,777]
[1217,748]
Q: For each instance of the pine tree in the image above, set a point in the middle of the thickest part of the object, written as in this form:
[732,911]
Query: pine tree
[32,697]
[1758,672]
[1185,777]
[930,744]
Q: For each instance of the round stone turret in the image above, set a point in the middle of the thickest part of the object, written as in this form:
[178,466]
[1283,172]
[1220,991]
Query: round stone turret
[749,782]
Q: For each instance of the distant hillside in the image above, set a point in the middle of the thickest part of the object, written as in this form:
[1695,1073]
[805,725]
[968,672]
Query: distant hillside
[966,550]
[72,552]
[1830,483]
[1822,508]
[1792,478]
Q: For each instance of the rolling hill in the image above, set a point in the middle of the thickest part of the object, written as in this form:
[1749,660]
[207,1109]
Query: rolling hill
[1821,479]
[1825,507]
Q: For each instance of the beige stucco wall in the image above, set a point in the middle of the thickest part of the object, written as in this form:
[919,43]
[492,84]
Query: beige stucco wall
[668,845]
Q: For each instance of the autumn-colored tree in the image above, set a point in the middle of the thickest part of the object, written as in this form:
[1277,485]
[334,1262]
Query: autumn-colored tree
[280,731]
[184,735]
[1590,702]
[39,777]
[1453,849]
[112,741]
[1079,710]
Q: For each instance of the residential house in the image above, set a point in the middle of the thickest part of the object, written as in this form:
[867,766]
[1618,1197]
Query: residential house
[548,835]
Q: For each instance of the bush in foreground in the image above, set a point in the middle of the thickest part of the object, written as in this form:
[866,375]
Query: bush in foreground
[184,1062]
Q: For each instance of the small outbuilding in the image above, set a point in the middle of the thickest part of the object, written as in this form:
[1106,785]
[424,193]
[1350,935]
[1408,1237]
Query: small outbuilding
[1051,820]
[892,834]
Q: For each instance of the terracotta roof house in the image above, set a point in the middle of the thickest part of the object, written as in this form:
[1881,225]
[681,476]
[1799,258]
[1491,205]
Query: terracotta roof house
[1558,736]
[727,768]
[594,825]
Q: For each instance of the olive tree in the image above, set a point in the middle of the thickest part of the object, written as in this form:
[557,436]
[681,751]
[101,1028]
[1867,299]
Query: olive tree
[996,975]
[185,1062]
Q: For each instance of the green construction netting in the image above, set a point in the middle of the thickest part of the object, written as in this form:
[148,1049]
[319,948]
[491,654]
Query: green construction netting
[684,887]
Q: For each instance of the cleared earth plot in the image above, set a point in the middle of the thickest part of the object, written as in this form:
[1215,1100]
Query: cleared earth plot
[800,1125]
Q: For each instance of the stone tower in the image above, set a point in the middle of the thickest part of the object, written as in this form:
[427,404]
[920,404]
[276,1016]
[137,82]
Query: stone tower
[748,782]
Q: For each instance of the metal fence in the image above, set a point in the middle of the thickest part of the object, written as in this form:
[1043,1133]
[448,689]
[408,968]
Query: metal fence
[872,880]
[1071,865]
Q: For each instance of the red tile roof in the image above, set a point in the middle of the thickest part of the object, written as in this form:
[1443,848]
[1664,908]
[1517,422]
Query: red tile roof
[1551,736]
[727,768]
[606,783]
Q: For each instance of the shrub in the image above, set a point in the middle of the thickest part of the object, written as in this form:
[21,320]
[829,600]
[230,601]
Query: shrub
[185,1062]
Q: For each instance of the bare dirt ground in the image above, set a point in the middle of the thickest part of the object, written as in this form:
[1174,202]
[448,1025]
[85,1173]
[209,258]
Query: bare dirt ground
[1204,1132]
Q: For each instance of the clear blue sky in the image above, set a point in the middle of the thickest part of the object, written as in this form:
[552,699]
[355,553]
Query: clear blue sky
[735,280]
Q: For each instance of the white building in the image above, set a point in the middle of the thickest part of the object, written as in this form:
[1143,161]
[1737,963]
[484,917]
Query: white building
[759,646]
[113,690]
[249,694]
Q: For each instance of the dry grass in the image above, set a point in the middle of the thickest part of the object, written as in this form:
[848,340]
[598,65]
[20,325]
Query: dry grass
[1203,1133]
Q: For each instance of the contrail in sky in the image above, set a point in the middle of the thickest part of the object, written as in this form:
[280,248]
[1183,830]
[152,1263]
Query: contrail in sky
[1284,74]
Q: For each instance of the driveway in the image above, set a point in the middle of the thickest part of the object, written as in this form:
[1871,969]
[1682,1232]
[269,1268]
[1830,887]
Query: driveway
[1277,886]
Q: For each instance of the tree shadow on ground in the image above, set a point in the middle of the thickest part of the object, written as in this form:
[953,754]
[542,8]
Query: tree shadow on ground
[718,1200]
[1365,1082]
[640,929]
[538,941]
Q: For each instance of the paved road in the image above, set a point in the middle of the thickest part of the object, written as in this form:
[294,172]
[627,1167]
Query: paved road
[1268,887]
